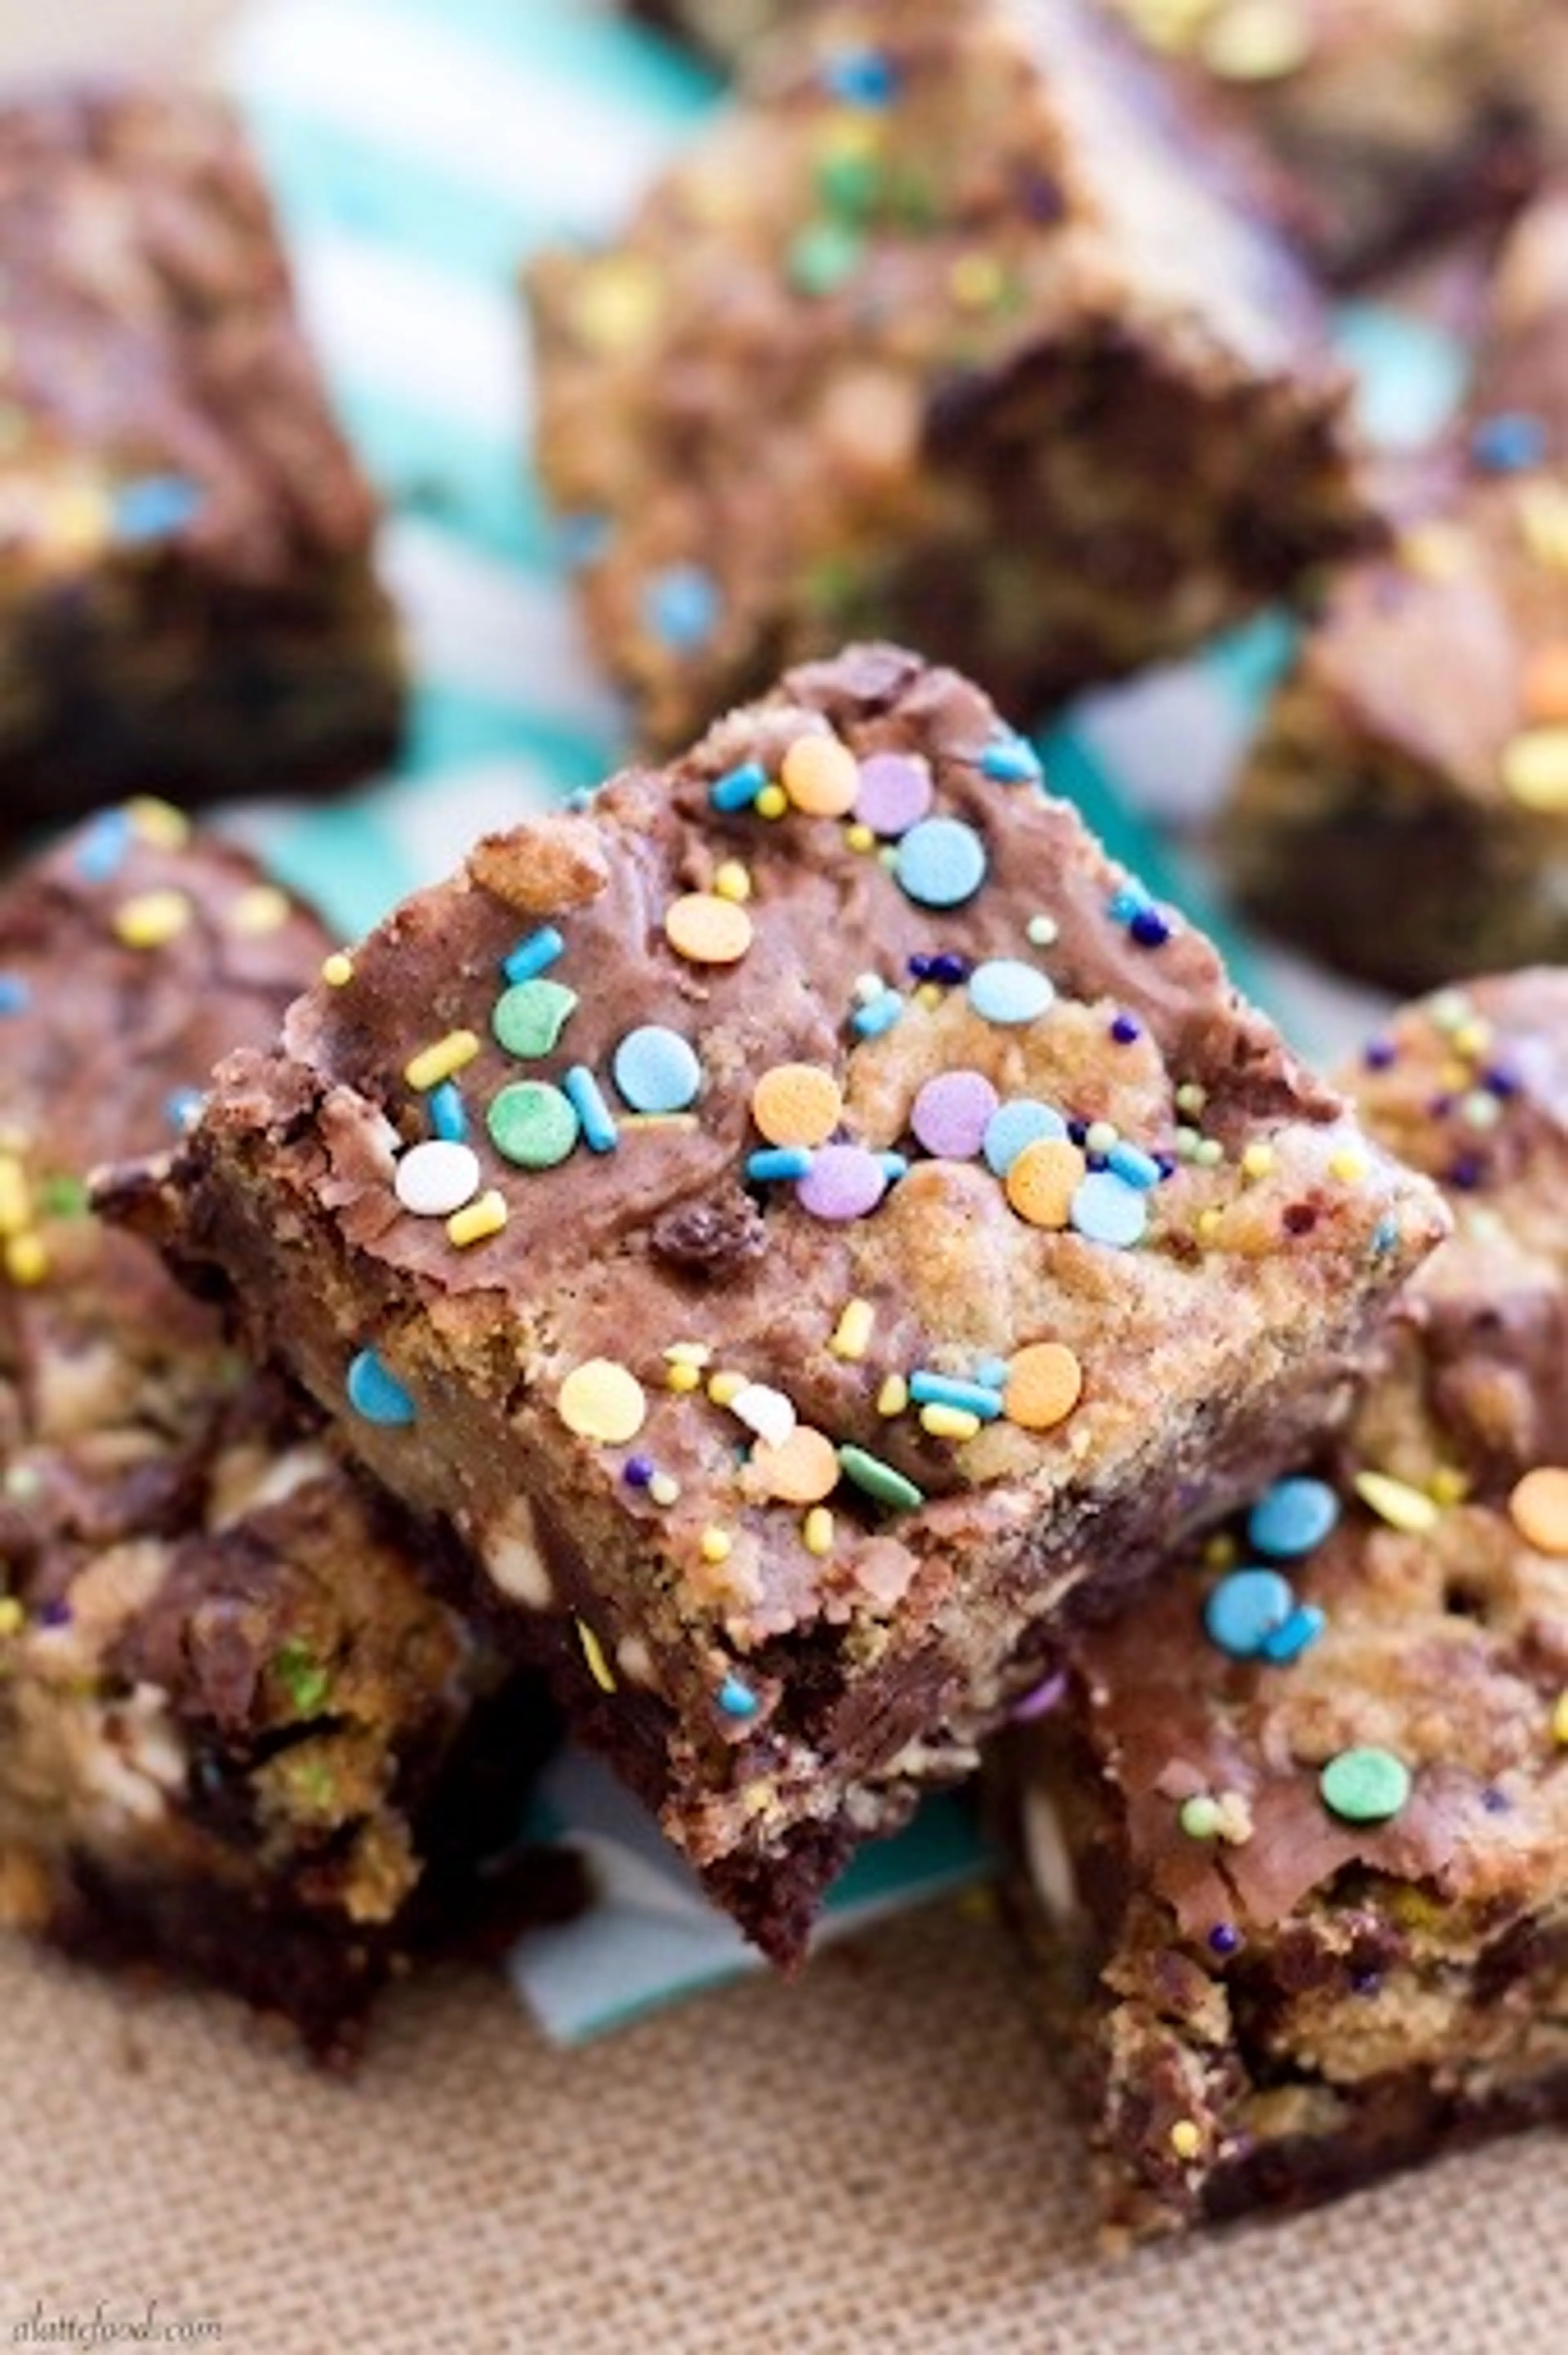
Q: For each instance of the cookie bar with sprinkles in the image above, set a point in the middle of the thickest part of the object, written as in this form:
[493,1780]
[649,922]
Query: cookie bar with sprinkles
[1297,1823]
[1410,835]
[952,328]
[240,1735]
[799,1217]
[187,603]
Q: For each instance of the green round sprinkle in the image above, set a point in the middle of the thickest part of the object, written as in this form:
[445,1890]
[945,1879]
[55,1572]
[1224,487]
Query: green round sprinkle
[883,1481]
[824,256]
[1200,1816]
[530,1017]
[1364,1787]
[533,1124]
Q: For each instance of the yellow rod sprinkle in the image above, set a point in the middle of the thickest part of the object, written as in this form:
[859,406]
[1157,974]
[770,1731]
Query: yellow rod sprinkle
[433,1064]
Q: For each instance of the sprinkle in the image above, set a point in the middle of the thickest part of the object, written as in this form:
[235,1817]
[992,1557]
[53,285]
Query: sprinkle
[1005,990]
[1133,1166]
[1535,768]
[1199,1816]
[100,850]
[852,1334]
[1560,1720]
[258,910]
[435,1179]
[737,788]
[765,1411]
[1292,1518]
[895,792]
[726,1385]
[1044,1382]
[1099,1136]
[816,1534]
[337,970]
[797,1103]
[1018,1123]
[732,880]
[1042,932]
[533,1124]
[375,1392]
[1186,2138]
[1191,1096]
[844,1182]
[665,1490]
[892,1397]
[716,1545]
[1246,1608]
[441,1061]
[1509,442]
[153,919]
[593,1653]
[637,1471]
[603,1400]
[707,930]
[824,256]
[949,1422]
[182,1109]
[772,801]
[1011,760]
[532,954]
[1538,1507]
[880,1480]
[860,837]
[26,1260]
[616,303]
[13,1618]
[864,77]
[1042,1181]
[1294,1635]
[1257,1160]
[681,607]
[583,1092]
[1348,1166]
[1543,690]
[1365,1786]
[479,1221]
[737,1700]
[445,1111]
[781,1161]
[529,1017]
[952,1115]
[1225,1938]
[821,776]
[16,996]
[940,863]
[153,508]
[1106,1210]
[16,1195]
[1258,40]
[930,1389]
[1397,1503]
[656,1069]
[878,1015]
[1208,1153]
[800,1470]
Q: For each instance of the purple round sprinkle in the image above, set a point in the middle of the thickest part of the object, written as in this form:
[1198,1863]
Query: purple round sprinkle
[1044,1698]
[1467,1172]
[1366,1982]
[1149,929]
[1501,1082]
[947,968]
[920,968]
[1495,1801]
[56,1614]
[894,792]
[1225,1938]
[844,1182]
[1077,1130]
[636,1471]
[951,1112]
[1379,1054]
[1125,1029]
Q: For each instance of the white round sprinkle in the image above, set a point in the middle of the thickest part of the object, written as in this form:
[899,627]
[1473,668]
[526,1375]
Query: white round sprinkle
[437,1178]
[765,1411]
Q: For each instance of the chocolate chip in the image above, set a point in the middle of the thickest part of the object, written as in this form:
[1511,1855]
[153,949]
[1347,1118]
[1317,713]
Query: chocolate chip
[710,1240]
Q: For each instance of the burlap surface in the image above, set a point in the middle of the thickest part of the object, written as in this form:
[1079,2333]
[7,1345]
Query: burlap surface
[873,2159]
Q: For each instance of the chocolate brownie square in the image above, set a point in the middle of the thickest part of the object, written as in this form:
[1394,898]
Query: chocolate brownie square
[799,1218]
[241,1732]
[187,600]
[1297,1822]
[954,328]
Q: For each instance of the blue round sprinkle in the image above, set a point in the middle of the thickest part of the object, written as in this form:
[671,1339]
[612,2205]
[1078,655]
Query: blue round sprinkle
[156,507]
[1303,1627]
[1245,1609]
[737,1700]
[1292,1518]
[375,1392]
[1106,1210]
[1013,1126]
[681,606]
[15,995]
[182,1108]
[1004,989]
[101,849]
[1508,442]
[861,78]
[940,862]
[656,1069]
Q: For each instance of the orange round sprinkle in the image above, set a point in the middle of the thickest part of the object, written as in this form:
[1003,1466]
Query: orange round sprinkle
[1042,1182]
[1545,684]
[801,1469]
[821,776]
[1044,1384]
[1540,1508]
[707,929]
[797,1103]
